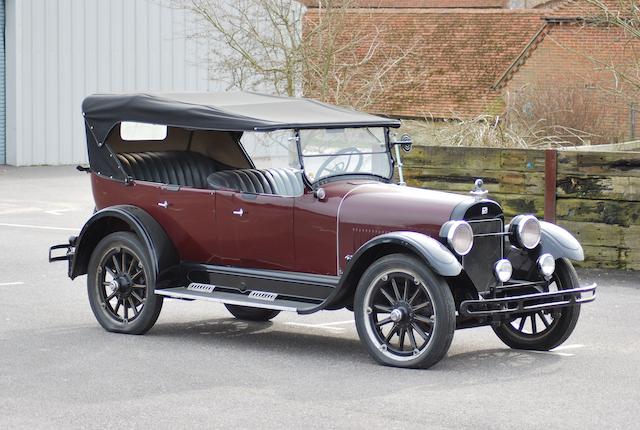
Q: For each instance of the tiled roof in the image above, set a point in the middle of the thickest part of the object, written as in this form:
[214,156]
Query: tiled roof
[575,11]
[583,8]
[462,53]
[419,3]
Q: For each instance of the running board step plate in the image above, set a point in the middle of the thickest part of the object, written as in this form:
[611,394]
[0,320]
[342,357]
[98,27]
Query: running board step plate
[254,299]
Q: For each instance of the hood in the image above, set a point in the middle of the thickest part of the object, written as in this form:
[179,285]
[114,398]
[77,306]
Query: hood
[371,209]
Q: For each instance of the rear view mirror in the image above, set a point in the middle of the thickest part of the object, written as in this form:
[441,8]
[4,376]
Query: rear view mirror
[405,142]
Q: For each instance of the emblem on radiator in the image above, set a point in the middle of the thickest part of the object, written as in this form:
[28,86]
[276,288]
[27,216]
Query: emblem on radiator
[201,288]
[261,295]
[485,210]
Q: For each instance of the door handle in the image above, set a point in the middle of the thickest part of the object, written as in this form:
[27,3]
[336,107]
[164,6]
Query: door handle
[164,204]
[239,212]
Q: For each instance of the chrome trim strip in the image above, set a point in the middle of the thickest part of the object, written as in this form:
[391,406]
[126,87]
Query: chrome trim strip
[179,295]
[262,295]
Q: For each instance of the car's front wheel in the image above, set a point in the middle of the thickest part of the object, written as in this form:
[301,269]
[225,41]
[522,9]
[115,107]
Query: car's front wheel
[404,313]
[544,330]
[120,284]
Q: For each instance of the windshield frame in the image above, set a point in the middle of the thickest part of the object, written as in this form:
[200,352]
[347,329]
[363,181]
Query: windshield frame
[357,175]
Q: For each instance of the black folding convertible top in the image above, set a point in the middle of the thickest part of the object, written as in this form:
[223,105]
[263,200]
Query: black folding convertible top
[230,111]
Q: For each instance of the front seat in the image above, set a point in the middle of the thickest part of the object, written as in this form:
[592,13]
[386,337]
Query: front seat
[277,181]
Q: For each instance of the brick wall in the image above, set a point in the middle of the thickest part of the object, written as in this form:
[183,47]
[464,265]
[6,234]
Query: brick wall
[582,56]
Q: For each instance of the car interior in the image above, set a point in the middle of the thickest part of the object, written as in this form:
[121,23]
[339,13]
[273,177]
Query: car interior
[202,159]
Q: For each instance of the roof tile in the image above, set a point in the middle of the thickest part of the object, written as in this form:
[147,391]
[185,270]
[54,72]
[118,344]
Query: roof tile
[462,53]
[419,3]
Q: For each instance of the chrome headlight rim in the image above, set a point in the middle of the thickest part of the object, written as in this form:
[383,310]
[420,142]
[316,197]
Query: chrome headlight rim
[518,226]
[546,265]
[503,270]
[451,231]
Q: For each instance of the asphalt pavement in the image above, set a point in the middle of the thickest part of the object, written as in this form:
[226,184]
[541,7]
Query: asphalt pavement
[200,368]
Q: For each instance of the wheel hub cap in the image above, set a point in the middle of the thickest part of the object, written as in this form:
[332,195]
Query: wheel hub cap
[113,284]
[396,315]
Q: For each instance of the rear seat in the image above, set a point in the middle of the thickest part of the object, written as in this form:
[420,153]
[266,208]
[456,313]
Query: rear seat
[281,181]
[184,168]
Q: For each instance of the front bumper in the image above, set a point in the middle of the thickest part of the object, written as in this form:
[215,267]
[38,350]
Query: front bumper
[528,302]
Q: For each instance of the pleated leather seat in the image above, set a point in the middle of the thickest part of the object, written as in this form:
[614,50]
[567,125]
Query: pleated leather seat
[281,181]
[184,168]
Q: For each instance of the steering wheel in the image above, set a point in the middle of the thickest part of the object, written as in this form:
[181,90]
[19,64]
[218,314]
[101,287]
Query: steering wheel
[341,167]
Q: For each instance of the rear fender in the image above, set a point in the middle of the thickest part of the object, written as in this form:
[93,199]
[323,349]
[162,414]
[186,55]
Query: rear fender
[164,257]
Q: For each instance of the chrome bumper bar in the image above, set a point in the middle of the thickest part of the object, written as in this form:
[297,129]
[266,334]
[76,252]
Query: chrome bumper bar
[528,302]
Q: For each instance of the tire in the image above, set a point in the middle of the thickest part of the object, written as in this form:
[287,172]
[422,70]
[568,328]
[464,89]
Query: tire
[404,313]
[121,295]
[518,335]
[251,314]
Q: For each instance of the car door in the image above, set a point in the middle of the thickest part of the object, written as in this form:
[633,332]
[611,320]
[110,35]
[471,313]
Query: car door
[255,231]
[188,217]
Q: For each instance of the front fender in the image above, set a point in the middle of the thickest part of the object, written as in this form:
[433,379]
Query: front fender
[435,254]
[164,256]
[558,242]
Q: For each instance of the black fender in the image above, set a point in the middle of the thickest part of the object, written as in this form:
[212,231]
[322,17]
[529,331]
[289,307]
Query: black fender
[434,254]
[164,257]
[558,242]
[554,240]
[437,256]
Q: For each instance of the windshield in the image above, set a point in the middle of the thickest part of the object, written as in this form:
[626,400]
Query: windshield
[271,149]
[331,152]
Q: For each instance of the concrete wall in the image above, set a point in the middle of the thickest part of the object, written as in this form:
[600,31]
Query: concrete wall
[59,51]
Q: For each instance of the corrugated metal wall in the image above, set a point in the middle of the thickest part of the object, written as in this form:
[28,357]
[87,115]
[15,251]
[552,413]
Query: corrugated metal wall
[2,87]
[59,51]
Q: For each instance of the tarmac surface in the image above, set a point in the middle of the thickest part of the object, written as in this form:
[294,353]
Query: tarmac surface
[200,368]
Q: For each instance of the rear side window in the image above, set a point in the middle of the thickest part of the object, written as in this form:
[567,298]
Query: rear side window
[133,131]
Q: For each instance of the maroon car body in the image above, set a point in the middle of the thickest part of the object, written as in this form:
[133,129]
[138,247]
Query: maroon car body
[189,214]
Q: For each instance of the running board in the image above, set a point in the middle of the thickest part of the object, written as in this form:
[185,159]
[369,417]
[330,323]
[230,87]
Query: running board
[256,299]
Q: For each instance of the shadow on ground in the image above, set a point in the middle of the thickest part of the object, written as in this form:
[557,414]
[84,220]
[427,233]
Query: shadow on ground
[273,338]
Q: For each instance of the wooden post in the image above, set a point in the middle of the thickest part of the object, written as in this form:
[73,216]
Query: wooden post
[550,178]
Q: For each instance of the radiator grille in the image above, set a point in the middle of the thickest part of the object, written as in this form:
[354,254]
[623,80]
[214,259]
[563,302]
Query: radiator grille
[488,247]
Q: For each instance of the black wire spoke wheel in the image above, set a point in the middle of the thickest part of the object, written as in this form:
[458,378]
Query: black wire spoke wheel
[405,314]
[401,314]
[544,329]
[121,285]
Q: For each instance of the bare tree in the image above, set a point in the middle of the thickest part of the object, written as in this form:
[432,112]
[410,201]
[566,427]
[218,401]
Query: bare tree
[354,58]
[624,15]
[281,46]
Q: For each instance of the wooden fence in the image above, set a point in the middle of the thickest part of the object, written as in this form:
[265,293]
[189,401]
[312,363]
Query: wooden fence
[595,195]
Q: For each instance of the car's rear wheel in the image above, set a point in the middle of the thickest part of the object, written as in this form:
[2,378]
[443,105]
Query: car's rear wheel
[544,330]
[404,313]
[120,285]
[251,314]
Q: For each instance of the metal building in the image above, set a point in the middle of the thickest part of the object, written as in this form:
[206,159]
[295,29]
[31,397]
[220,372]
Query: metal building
[59,51]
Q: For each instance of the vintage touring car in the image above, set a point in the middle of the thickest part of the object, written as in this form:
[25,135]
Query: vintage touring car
[270,204]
